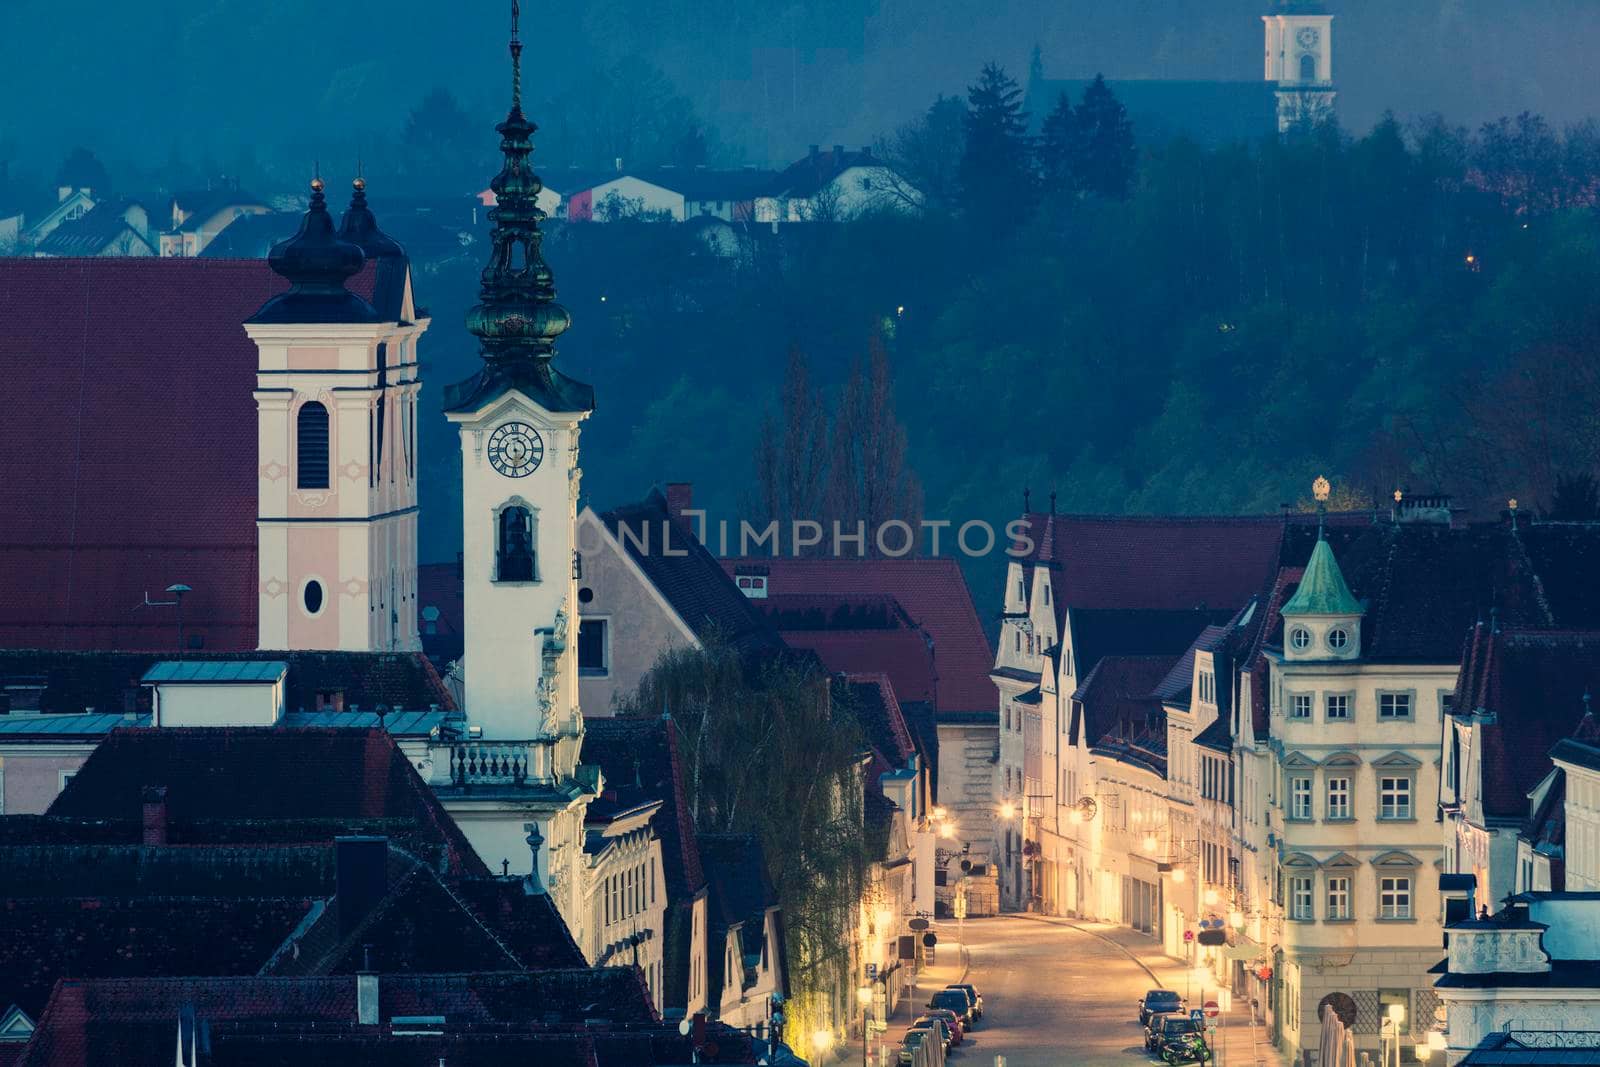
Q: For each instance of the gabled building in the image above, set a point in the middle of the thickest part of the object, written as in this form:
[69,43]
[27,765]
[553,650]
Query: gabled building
[834,186]
[195,217]
[745,957]
[111,228]
[1518,693]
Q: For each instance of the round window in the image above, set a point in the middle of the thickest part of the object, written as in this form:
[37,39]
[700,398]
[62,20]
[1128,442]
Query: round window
[313,597]
[1300,638]
[1338,637]
[585,595]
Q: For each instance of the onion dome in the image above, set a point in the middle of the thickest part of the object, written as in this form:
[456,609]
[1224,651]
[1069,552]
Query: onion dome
[360,227]
[316,263]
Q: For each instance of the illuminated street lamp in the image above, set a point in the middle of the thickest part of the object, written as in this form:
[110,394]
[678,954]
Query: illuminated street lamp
[1008,810]
[1150,842]
[1178,875]
[939,813]
[1236,919]
[947,829]
[1211,897]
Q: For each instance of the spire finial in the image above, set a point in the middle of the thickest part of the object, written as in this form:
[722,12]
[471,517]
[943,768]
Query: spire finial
[1320,489]
[1026,499]
[1052,501]
[516,56]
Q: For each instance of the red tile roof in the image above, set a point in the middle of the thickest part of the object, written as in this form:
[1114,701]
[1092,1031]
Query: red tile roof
[1162,562]
[902,655]
[130,449]
[934,596]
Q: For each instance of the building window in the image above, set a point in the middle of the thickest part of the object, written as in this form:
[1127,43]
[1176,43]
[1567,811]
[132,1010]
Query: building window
[1394,798]
[1300,705]
[1394,705]
[1447,703]
[1338,706]
[1300,897]
[1299,798]
[1300,639]
[1338,637]
[1339,897]
[1394,898]
[311,446]
[593,653]
[514,553]
[311,596]
[1308,68]
[1338,798]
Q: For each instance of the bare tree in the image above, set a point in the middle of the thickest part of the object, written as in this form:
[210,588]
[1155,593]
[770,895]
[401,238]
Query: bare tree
[868,479]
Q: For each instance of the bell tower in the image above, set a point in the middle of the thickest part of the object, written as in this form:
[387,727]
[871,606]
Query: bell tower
[519,419]
[1299,61]
[336,391]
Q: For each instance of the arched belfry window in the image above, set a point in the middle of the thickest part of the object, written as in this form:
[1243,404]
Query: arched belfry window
[515,557]
[311,447]
[1308,68]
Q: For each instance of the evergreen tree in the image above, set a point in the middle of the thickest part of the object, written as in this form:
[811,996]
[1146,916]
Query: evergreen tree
[1059,148]
[997,180]
[1108,161]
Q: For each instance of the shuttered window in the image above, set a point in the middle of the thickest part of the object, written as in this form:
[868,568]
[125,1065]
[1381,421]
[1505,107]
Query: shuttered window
[312,447]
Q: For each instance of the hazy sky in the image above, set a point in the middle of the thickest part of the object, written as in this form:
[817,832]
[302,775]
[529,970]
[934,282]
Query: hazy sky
[148,78]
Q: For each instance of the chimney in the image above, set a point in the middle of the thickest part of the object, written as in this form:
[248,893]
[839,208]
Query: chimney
[155,815]
[532,885]
[838,153]
[366,990]
[680,498]
[361,878]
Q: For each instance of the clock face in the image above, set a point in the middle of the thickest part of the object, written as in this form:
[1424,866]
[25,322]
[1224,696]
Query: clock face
[1307,36]
[515,449]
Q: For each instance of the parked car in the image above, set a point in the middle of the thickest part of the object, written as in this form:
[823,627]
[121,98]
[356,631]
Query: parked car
[939,1026]
[921,1047]
[1158,1000]
[1168,1027]
[958,1029]
[956,1000]
[973,994]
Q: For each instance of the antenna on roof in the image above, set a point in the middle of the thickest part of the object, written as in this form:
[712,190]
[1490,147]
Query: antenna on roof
[1052,501]
[1026,493]
[177,589]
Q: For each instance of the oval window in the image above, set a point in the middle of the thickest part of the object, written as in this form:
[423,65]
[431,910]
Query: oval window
[1300,638]
[1338,638]
[313,597]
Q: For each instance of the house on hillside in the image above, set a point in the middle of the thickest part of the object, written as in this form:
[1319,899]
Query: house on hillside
[111,228]
[835,186]
[41,220]
[195,217]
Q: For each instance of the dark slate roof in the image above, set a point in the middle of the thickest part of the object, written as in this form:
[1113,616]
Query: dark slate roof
[1217,736]
[1210,112]
[1502,1048]
[644,753]
[439,587]
[688,576]
[268,785]
[1098,632]
[1146,749]
[833,611]
[92,232]
[1118,692]
[1175,687]
[110,681]
[538,380]
[933,595]
[1533,682]
[142,364]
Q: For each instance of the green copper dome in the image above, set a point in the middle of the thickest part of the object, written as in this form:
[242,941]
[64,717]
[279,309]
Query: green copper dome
[1322,590]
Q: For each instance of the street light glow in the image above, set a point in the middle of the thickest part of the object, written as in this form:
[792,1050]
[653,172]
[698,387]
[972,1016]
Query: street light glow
[822,1040]
[1236,919]
[939,813]
[1008,810]
[1397,1013]
[1211,896]
[947,829]
[864,995]
[1149,842]
[1178,875]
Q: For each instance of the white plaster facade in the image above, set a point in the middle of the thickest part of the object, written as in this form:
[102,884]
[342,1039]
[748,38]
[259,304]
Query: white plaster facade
[1299,59]
[337,550]
[628,905]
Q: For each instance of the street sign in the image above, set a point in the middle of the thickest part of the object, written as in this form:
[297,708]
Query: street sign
[918,924]
[1211,1009]
[1188,935]
[872,971]
[930,939]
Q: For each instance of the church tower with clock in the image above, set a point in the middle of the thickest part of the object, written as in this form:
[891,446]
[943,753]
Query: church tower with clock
[1299,60]
[519,419]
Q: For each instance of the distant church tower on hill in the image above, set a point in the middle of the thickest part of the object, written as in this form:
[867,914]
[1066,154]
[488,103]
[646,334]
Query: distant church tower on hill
[336,400]
[1299,59]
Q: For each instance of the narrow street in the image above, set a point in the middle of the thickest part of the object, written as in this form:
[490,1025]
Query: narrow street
[1059,994]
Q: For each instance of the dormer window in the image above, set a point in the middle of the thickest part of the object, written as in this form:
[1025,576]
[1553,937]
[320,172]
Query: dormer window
[1338,638]
[1299,639]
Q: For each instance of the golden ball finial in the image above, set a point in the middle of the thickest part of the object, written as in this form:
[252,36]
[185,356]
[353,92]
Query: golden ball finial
[1512,503]
[359,184]
[1398,496]
[1320,489]
[316,185]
